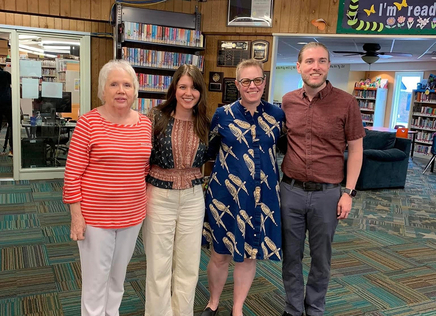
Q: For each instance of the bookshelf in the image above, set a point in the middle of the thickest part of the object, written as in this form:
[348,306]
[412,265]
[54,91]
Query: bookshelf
[372,103]
[156,43]
[422,118]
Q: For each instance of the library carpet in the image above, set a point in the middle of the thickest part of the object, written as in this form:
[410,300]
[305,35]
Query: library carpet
[384,258]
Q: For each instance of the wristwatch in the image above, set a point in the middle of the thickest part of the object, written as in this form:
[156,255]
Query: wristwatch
[350,192]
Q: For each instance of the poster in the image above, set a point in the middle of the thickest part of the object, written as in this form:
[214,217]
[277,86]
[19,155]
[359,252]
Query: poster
[408,17]
[252,13]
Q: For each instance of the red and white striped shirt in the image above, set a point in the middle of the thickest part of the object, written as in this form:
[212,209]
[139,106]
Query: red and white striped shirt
[106,169]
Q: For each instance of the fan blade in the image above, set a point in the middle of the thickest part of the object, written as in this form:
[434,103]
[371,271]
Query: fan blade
[348,52]
[395,54]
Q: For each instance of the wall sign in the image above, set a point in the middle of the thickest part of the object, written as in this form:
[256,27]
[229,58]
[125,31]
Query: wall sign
[260,50]
[230,53]
[265,92]
[231,92]
[216,81]
[252,13]
[411,17]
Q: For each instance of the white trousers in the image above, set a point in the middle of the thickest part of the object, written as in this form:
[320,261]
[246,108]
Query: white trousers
[172,239]
[104,256]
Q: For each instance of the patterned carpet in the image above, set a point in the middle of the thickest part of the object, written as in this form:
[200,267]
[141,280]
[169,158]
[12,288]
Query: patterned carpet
[384,260]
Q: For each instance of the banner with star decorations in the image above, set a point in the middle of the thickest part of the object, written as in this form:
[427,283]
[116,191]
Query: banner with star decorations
[408,17]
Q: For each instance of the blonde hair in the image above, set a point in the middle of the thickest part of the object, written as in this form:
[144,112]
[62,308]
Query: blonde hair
[248,63]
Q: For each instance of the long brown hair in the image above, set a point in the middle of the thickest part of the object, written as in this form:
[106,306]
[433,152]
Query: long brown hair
[168,107]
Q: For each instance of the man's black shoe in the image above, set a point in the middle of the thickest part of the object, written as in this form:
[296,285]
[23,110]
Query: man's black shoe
[209,312]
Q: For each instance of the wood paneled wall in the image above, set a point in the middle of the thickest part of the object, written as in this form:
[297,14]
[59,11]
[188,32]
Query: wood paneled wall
[290,16]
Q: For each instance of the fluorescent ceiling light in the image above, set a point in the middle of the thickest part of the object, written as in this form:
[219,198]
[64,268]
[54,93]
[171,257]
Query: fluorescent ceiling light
[35,49]
[37,53]
[57,47]
[22,36]
[61,42]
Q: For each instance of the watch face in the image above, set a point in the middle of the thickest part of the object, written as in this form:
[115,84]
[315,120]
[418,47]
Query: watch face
[350,192]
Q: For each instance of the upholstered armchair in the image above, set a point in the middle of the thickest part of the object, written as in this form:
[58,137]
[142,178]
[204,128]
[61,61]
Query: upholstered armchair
[385,161]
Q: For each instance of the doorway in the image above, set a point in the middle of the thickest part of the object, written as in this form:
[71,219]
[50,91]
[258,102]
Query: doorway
[6,148]
[405,82]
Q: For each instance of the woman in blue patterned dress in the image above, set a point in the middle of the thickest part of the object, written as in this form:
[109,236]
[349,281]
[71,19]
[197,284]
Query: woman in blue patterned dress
[242,200]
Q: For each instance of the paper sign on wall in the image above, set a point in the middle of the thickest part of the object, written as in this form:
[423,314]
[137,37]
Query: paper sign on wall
[30,88]
[51,89]
[30,68]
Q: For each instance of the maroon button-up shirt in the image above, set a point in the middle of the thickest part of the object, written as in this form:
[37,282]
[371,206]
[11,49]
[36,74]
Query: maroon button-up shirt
[317,134]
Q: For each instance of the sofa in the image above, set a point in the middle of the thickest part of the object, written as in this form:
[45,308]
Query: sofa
[385,161]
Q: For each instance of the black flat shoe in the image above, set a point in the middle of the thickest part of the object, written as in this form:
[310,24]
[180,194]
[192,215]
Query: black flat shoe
[209,312]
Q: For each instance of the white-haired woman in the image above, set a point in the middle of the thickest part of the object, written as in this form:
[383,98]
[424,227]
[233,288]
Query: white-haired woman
[107,163]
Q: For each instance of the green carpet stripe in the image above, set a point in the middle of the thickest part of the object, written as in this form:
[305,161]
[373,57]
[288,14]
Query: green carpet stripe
[62,252]
[20,237]
[18,221]
[14,258]
[56,234]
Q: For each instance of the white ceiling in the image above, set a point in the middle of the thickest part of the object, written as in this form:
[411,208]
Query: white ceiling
[421,48]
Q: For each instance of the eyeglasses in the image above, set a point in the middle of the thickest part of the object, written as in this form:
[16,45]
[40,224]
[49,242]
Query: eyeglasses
[247,82]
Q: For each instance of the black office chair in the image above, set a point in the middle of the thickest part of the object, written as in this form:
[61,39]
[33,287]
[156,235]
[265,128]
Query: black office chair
[433,152]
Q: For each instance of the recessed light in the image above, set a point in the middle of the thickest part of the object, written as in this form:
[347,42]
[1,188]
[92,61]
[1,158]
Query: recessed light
[301,43]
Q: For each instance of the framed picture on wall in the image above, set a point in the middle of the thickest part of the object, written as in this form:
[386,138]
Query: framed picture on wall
[265,92]
[231,92]
[260,50]
[252,13]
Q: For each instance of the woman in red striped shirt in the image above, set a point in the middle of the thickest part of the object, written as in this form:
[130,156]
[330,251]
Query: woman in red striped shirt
[107,163]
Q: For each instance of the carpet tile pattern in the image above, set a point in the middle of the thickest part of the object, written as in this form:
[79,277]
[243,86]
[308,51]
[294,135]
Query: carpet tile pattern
[384,257]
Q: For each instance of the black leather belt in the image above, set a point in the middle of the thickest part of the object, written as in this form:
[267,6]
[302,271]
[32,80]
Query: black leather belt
[309,186]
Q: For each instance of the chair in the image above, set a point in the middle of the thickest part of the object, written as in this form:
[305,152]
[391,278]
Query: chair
[432,159]
[385,161]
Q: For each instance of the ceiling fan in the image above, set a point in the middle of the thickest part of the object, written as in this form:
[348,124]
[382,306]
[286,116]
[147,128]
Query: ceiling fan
[371,53]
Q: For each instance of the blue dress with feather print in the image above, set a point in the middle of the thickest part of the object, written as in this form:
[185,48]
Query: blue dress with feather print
[242,199]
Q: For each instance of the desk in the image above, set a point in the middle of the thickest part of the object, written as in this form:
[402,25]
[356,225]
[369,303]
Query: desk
[69,127]
[391,130]
[44,143]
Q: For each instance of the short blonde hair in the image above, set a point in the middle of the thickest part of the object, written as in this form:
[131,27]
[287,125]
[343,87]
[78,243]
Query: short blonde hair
[113,65]
[248,63]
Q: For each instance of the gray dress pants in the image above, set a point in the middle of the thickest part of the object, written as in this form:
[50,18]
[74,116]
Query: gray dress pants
[314,212]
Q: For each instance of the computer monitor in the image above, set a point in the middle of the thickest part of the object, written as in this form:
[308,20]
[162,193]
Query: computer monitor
[62,105]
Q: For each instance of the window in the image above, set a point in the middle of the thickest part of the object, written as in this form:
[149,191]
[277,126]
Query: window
[405,82]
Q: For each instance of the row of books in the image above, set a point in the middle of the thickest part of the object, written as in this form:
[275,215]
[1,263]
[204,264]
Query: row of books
[148,82]
[162,34]
[423,122]
[369,105]
[160,59]
[145,105]
[422,149]
[424,136]
[424,110]
[368,94]
[367,117]
[422,97]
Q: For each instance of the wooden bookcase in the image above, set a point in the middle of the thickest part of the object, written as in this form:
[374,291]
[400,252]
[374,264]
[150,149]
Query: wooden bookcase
[372,103]
[422,118]
[156,43]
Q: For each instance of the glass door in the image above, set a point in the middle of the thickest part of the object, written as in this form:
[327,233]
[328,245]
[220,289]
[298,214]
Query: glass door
[6,145]
[52,88]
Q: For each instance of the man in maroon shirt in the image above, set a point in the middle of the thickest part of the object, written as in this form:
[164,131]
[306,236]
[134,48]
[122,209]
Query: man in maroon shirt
[320,120]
